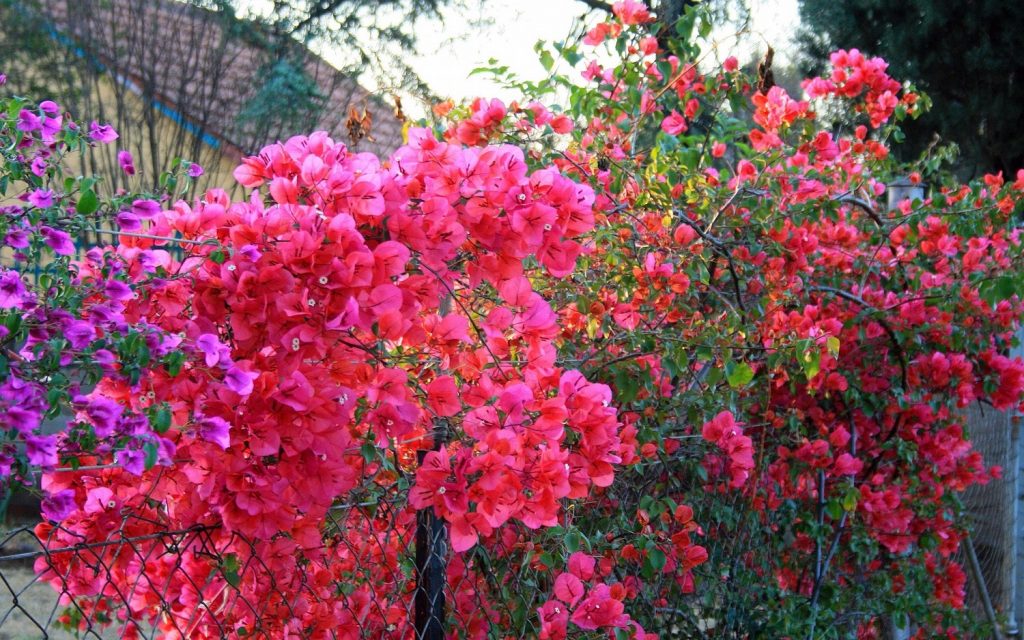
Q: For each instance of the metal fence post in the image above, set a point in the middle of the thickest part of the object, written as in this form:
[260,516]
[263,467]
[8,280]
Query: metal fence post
[431,562]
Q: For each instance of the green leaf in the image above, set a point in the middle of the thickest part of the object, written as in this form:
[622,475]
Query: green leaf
[546,60]
[705,28]
[151,450]
[738,375]
[173,361]
[684,25]
[832,345]
[810,360]
[657,559]
[369,451]
[627,385]
[834,509]
[702,473]
[1005,288]
[572,542]
[229,567]
[850,500]
[87,202]
[162,420]
[714,376]
[218,256]
[54,396]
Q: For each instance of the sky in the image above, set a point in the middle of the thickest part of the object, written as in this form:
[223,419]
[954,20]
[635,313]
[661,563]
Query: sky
[450,51]
[507,30]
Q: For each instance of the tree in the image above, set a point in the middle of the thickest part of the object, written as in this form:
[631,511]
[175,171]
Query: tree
[374,35]
[962,54]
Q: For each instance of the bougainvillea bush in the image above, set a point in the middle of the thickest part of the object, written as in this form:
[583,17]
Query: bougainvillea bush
[664,362]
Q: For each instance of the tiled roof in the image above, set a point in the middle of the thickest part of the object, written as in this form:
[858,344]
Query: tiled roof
[206,68]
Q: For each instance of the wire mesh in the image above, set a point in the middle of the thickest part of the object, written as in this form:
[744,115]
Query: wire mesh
[994,516]
[58,582]
[380,569]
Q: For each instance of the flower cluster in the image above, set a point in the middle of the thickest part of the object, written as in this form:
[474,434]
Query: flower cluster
[724,432]
[69,346]
[353,310]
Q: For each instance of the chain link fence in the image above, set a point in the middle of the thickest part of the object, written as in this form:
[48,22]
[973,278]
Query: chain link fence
[383,571]
[990,554]
[378,569]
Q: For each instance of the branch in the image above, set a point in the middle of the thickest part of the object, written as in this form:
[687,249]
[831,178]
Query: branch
[112,232]
[720,248]
[628,356]
[599,5]
[863,204]
[846,295]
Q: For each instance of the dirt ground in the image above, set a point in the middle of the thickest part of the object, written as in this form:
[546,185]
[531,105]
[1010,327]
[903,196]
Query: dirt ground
[32,617]
[28,608]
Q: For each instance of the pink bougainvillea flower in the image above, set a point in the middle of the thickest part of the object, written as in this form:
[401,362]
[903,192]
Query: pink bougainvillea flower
[443,396]
[58,505]
[214,429]
[554,620]
[41,450]
[117,290]
[132,460]
[214,350]
[39,166]
[78,333]
[128,221]
[103,413]
[58,240]
[146,209]
[99,500]
[12,290]
[631,12]
[239,380]
[569,589]
[562,124]
[41,198]
[674,123]
[600,609]
[582,565]
[124,158]
[103,133]
[28,121]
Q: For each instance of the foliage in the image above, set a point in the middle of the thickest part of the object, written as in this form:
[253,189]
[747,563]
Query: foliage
[62,329]
[754,270]
[287,98]
[371,36]
[693,380]
[969,74]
